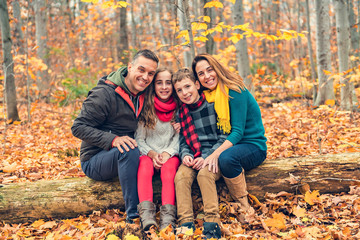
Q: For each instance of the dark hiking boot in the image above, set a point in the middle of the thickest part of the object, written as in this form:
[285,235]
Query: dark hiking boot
[211,230]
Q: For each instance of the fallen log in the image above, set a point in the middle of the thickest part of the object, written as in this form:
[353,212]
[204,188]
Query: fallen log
[67,198]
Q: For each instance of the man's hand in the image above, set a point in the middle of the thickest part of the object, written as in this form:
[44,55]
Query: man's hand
[188,161]
[198,162]
[124,142]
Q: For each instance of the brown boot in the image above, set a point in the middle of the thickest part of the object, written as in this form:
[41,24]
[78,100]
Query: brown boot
[147,211]
[167,216]
[237,189]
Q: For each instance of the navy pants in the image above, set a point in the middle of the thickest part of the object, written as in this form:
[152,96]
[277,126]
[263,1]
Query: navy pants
[238,157]
[107,165]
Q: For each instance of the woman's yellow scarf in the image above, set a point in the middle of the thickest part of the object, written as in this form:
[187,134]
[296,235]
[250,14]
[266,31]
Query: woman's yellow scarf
[221,104]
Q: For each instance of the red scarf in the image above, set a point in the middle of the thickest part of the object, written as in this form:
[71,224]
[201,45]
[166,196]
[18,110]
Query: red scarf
[188,127]
[164,110]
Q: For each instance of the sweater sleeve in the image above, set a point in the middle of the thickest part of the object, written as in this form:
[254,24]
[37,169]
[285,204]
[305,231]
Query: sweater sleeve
[221,139]
[94,113]
[140,136]
[238,103]
[173,147]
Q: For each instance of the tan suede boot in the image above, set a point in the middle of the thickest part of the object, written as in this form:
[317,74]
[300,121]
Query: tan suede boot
[237,189]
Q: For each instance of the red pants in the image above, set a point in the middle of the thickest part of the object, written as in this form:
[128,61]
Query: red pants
[167,174]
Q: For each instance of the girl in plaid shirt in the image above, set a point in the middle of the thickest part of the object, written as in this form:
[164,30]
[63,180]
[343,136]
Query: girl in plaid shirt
[199,138]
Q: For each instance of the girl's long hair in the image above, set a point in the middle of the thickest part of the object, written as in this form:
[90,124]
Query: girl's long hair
[148,115]
[225,76]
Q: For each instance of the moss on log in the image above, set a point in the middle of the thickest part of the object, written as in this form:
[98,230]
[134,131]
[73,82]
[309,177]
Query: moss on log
[67,198]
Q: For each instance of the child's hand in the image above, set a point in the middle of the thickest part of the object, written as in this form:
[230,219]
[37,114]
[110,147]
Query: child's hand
[198,163]
[176,126]
[188,161]
[164,157]
[157,159]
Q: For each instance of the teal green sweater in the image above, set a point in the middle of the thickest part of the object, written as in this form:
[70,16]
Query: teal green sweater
[245,119]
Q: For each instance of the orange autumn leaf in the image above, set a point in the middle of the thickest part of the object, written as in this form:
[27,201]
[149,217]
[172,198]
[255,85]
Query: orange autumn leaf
[278,221]
[312,197]
[298,211]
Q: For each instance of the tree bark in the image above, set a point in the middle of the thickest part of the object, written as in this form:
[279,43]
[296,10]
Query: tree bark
[18,33]
[242,56]
[70,197]
[10,90]
[343,42]
[183,26]
[43,81]
[323,51]
[122,40]
[311,54]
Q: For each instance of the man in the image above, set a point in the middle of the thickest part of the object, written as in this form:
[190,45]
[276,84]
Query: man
[107,123]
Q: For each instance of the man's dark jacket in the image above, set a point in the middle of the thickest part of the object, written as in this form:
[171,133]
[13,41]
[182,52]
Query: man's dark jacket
[106,113]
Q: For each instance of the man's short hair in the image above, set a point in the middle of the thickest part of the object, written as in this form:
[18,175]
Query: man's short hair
[146,53]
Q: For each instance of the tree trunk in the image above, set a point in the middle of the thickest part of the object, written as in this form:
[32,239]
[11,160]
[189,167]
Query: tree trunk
[43,81]
[122,41]
[210,43]
[183,26]
[241,47]
[343,42]
[189,28]
[323,51]
[134,44]
[10,90]
[67,198]
[311,54]
[18,33]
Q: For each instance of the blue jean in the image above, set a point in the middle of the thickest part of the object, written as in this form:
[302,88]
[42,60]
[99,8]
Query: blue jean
[238,157]
[107,165]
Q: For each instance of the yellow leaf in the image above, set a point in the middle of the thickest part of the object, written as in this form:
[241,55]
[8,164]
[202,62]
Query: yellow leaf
[235,38]
[114,237]
[232,1]
[278,221]
[207,19]
[199,26]
[327,72]
[16,123]
[214,3]
[123,4]
[2,77]
[311,197]
[201,39]
[183,33]
[37,223]
[298,211]
[218,28]
[330,102]
[189,232]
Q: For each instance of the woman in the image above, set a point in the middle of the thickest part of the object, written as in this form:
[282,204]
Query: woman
[239,116]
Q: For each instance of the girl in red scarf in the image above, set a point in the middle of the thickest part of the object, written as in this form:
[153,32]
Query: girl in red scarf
[158,143]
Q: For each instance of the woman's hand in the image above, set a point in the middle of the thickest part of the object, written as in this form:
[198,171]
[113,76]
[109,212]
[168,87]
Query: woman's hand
[212,162]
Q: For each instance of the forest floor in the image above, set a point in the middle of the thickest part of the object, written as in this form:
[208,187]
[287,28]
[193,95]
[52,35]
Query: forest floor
[45,149]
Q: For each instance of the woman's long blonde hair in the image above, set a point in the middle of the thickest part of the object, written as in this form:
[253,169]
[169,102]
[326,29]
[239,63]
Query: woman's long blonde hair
[225,76]
[148,115]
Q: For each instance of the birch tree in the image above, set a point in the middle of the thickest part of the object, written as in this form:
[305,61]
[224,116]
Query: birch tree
[8,67]
[43,81]
[241,47]
[325,89]
[343,42]
[183,26]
